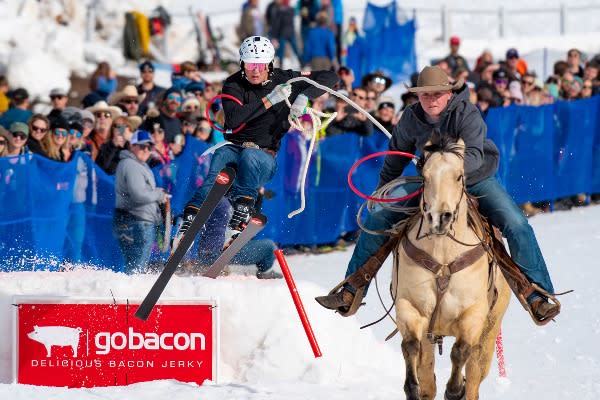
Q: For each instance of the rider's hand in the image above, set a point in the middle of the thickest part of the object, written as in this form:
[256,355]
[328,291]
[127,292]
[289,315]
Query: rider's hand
[299,106]
[280,93]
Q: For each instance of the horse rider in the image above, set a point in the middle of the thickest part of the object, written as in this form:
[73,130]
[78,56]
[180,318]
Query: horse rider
[262,90]
[446,107]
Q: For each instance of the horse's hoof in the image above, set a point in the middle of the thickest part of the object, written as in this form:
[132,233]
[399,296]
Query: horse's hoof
[459,396]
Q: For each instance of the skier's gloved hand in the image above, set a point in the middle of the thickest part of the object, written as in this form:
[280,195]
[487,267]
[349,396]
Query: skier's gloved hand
[299,106]
[280,93]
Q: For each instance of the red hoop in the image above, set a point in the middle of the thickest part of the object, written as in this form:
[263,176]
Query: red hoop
[376,199]
[213,124]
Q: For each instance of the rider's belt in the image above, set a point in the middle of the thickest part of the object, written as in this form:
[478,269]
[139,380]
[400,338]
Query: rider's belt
[252,145]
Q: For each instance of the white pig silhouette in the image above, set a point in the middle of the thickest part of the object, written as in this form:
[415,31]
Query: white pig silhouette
[56,336]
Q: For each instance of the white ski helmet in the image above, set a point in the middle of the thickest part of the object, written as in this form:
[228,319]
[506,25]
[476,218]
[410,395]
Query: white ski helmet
[257,49]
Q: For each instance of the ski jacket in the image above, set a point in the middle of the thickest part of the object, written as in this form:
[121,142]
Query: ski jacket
[135,189]
[460,119]
[266,127]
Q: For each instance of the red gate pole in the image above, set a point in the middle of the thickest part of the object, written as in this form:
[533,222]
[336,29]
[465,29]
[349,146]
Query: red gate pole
[500,355]
[298,302]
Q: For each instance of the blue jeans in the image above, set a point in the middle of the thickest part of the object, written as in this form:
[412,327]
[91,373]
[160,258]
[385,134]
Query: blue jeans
[254,169]
[257,252]
[281,49]
[135,240]
[495,204]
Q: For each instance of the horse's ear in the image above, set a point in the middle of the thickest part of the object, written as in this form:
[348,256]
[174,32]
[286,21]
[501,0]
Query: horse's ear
[433,142]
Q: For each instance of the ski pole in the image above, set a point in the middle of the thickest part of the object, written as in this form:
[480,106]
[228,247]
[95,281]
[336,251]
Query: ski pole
[298,302]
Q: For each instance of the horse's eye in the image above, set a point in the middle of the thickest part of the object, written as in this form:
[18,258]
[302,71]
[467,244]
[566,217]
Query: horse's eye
[459,178]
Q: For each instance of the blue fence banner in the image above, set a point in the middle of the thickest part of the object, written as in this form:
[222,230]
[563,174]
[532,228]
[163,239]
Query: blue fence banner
[387,46]
[54,214]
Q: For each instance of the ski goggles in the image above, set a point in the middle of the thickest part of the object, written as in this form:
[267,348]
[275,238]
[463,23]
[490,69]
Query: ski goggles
[75,132]
[260,67]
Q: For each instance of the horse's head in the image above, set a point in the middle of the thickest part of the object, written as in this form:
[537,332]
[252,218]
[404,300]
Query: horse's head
[443,182]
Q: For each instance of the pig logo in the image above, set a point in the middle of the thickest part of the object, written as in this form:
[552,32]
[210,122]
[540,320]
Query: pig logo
[56,336]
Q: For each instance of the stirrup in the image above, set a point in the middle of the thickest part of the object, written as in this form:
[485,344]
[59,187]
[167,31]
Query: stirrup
[527,306]
[356,301]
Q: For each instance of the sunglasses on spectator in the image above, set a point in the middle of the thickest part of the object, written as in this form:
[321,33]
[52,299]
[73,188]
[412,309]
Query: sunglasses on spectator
[358,97]
[206,129]
[130,101]
[60,132]
[57,97]
[145,146]
[19,135]
[121,128]
[174,97]
[378,80]
[255,66]
[76,133]
[587,86]
[373,98]
[501,81]
[102,114]
[39,129]
[527,82]
[189,123]
[3,142]
[191,108]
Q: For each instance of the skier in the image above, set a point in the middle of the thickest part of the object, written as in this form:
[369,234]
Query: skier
[446,106]
[262,89]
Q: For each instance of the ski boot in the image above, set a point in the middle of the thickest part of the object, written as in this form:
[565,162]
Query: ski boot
[183,225]
[243,209]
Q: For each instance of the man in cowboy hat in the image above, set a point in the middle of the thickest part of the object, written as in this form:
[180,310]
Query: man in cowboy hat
[128,100]
[104,116]
[445,106]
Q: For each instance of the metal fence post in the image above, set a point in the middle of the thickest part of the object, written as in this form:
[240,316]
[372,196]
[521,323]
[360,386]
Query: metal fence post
[444,24]
[563,13]
[501,15]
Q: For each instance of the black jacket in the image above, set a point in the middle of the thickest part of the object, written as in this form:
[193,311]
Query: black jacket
[266,127]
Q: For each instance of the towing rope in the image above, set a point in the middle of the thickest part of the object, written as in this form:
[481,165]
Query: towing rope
[317,124]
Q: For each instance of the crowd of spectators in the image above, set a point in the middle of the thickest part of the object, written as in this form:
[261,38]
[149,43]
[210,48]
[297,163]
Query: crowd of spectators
[103,125]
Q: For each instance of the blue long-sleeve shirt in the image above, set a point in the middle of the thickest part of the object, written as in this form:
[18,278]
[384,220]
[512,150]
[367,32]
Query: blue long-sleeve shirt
[320,43]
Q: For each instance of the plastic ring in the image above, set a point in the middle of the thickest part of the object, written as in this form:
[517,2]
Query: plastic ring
[377,199]
[214,124]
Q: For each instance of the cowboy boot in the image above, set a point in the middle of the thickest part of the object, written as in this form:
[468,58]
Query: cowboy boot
[341,299]
[543,310]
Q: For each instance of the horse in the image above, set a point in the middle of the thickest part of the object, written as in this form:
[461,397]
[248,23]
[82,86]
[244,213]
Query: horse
[445,282]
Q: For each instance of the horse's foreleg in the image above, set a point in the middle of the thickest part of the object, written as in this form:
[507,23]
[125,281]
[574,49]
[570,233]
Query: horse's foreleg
[426,371]
[411,349]
[455,388]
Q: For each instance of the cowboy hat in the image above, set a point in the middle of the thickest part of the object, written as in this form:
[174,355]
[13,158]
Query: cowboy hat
[127,92]
[103,106]
[135,121]
[433,79]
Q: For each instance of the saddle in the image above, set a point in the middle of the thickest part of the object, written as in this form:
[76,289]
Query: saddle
[492,242]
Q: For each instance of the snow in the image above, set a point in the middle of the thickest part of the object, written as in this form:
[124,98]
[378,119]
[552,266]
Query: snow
[264,352]
[266,355]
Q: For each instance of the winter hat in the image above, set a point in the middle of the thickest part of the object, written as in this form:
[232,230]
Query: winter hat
[194,86]
[59,122]
[146,65]
[19,94]
[90,99]
[512,53]
[454,41]
[75,120]
[385,101]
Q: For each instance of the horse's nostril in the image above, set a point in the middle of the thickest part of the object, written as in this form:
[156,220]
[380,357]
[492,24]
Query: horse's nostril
[447,216]
[429,218]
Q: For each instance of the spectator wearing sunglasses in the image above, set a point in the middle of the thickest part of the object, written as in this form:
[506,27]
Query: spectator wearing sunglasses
[104,116]
[377,81]
[128,100]
[349,119]
[168,116]
[19,132]
[56,138]
[152,91]
[19,110]
[137,199]
[39,125]
[121,132]
[59,100]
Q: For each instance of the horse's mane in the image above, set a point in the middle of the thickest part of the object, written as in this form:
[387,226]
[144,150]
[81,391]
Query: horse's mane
[444,144]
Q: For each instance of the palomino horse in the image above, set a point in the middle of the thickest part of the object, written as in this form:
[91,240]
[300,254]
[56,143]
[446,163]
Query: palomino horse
[445,284]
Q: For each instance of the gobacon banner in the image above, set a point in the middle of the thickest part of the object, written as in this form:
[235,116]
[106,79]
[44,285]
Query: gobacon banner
[89,343]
